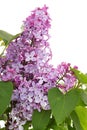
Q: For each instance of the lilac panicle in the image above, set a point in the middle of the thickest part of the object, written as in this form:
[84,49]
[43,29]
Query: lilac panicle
[26,64]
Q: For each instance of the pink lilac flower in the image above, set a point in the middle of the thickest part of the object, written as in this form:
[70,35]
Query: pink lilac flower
[67,79]
[26,64]
[30,57]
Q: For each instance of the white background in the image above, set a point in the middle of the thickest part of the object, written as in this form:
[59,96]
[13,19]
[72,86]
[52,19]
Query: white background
[69,26]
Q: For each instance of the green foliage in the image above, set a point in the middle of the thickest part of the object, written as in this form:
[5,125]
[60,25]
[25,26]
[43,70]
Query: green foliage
[76,121]
[82,115]
[26,126]
[61,127]
[62,104]
[7,37]
[3,117]
[6,89]
[53,125]
[84,96]
[41,119]
[2,129]
[80,76]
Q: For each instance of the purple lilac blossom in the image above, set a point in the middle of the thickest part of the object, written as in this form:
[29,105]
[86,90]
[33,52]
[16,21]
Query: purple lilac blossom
[26,64]
[67,79]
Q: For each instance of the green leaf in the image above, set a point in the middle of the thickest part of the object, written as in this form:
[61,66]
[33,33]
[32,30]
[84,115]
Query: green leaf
[61,127]
[41,119]
[71,128]
[52,123]
[80,76]
[82,115]
[26,126]
[15,36]
[62,104]
[76,121]
[0,39]
[6,89]
[3,117]
[2,129]
[84,96]
[5,36]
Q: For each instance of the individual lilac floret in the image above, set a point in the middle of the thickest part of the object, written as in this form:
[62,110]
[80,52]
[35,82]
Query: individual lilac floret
[30,57]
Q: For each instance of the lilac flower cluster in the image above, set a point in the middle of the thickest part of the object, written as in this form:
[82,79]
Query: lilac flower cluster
[26,64]
[66,79]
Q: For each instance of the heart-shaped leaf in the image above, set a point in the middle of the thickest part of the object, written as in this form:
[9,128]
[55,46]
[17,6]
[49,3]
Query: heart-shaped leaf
[62,104]
[40,119]
[6,89]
